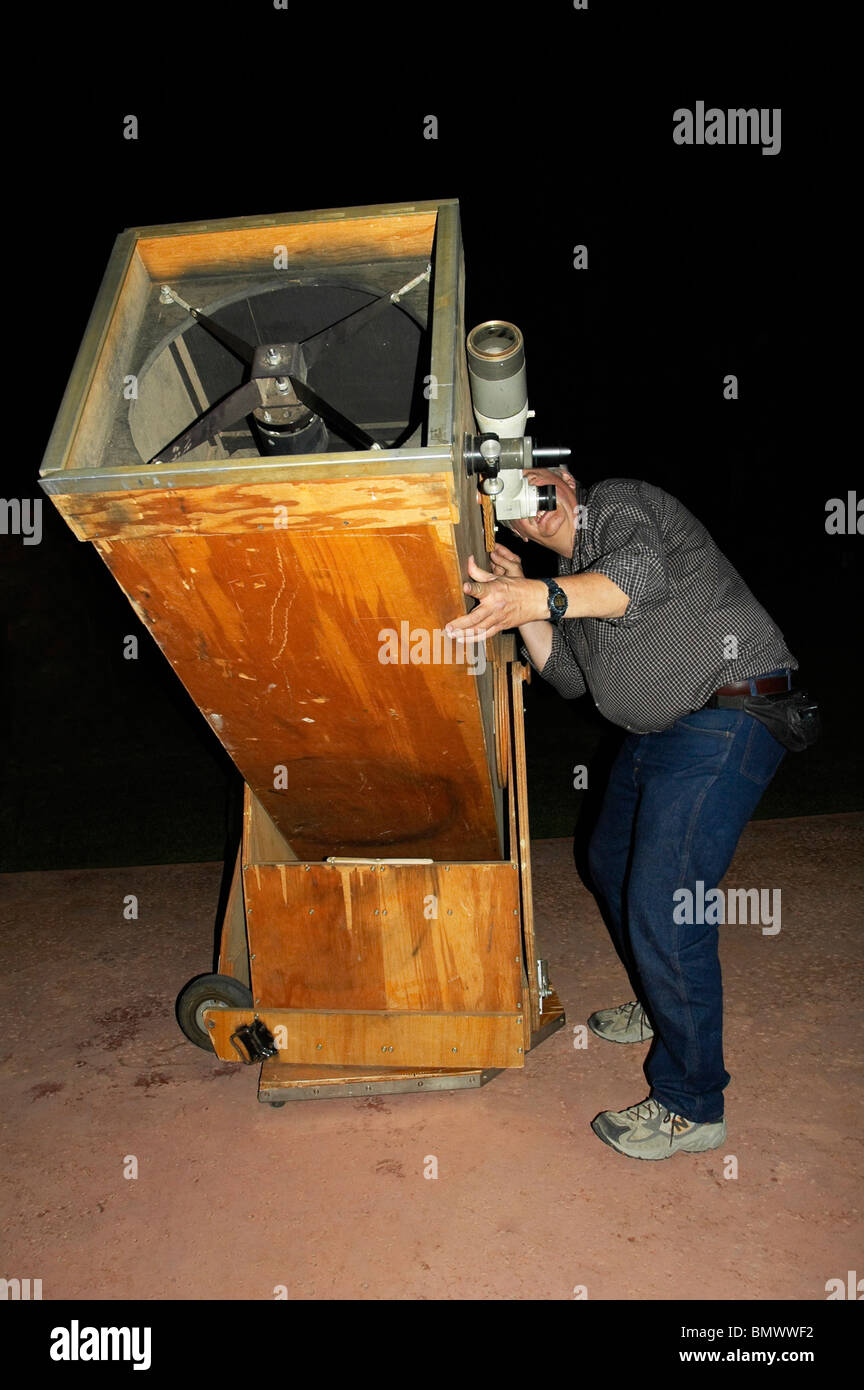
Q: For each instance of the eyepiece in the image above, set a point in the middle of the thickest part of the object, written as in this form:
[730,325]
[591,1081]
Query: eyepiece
[496,367]
[492,345]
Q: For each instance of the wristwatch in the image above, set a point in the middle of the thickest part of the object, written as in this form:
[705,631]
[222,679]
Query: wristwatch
[557,600]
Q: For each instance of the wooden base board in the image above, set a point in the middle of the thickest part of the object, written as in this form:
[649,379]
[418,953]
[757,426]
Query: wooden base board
[552,1018]
[280,1081]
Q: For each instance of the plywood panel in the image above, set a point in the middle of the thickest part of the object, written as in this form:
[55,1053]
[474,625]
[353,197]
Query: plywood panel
[370,1039]
[281,1081]
[520,779]
[365,937]
[277,637]
[262,842]
[334,505]
[106,385]
[354,239]
[269,598]
[233,947]
[451,418]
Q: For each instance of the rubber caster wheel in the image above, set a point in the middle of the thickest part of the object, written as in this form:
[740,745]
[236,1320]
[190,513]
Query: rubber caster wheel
[208,992]
[276,1104]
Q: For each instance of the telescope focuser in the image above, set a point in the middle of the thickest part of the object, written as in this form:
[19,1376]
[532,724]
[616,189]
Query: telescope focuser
[499,464]
[499,395]
[485,454]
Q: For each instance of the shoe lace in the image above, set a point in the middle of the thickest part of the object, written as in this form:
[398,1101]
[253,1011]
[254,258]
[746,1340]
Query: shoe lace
[633,1005]
[677,1123]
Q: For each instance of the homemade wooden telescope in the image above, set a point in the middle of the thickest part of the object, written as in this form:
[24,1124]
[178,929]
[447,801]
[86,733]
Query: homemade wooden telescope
[263,438]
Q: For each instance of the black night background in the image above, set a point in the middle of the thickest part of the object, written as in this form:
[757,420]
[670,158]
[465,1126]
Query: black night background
[701,262]
[554,132]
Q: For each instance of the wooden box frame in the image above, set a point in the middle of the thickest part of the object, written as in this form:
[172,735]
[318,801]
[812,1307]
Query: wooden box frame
[177,539]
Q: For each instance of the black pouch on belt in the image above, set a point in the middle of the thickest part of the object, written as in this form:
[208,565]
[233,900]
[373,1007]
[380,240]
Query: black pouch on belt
[791,716]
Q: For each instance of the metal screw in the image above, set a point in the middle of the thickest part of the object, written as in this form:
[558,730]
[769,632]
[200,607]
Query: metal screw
[210,1023]
[257,1001]
[165,295]
[318,1046]
[518,1049]
[311,910]
[454,1049]
[252,957]
[273,356]
[282,383]
[449,912]
[306,867]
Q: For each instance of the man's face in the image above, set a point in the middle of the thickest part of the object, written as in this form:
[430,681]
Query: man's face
[556,530]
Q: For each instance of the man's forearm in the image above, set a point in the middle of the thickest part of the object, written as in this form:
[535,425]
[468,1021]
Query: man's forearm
[593,596]
[538,642]
[588,596]
[515,602]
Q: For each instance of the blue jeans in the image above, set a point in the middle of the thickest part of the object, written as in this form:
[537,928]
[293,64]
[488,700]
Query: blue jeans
[673,812]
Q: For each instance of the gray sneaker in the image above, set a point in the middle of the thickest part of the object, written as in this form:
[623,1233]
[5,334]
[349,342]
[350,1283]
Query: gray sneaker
[649,1130]
[625,1024]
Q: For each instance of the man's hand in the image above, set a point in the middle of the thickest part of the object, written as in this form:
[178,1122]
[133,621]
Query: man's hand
[505,602]
[504,562]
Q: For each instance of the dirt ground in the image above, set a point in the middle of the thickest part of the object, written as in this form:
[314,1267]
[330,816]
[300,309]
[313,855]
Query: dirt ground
[329,1199]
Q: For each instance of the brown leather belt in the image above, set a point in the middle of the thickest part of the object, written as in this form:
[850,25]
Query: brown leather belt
[733,696]
[765,685]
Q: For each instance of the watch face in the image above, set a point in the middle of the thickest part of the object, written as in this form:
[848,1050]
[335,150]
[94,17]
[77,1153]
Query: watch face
[559,601]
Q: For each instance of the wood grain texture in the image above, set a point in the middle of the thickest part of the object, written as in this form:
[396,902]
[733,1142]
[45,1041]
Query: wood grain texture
[107,373]
[488,509]
[372,1039]
[523,847]
[262,842]
[270,586]
[337,504]
[453,424]
[364,937]
[233,946]
[328,241]
[277,637]
[286,1076]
